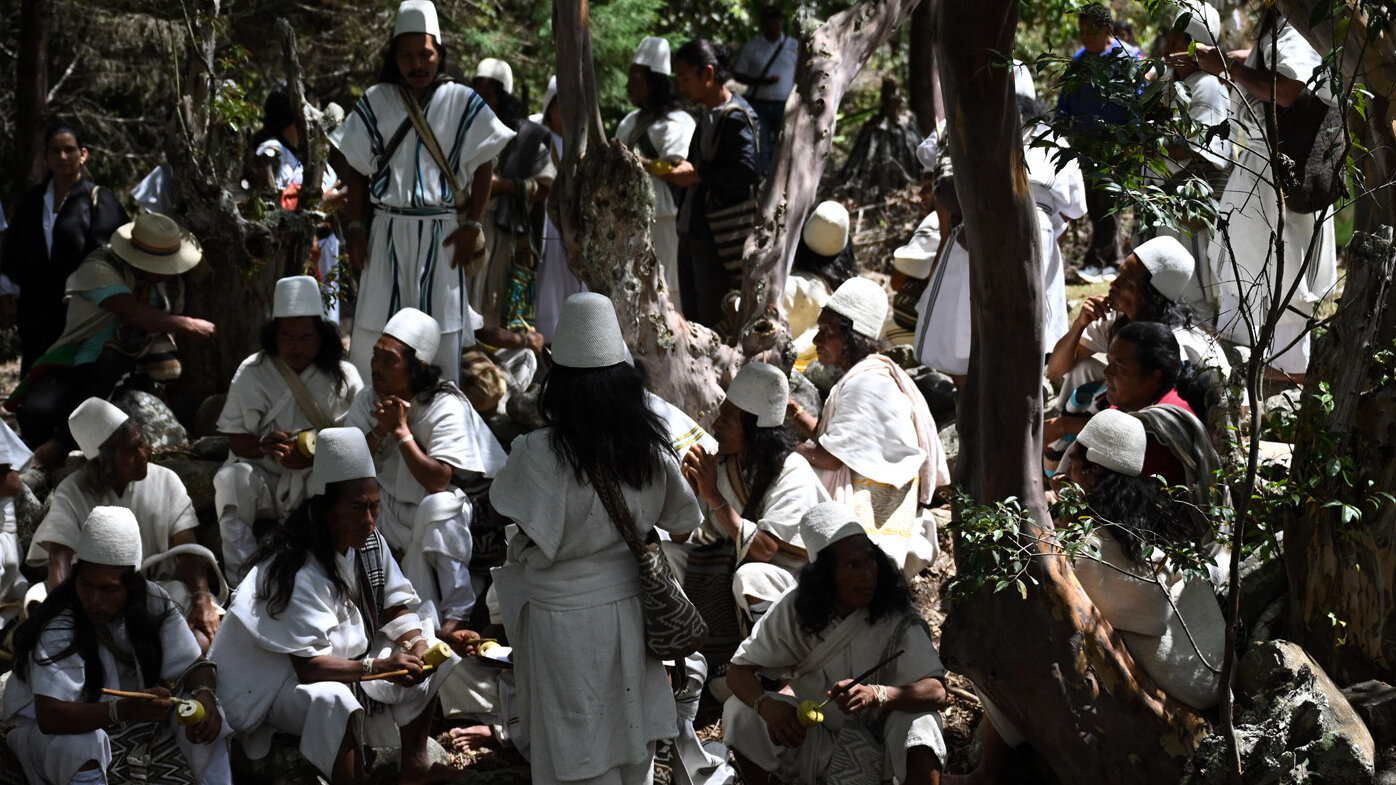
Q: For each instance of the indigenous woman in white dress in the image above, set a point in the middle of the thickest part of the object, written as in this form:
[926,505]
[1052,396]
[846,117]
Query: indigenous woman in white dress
[592,701]
[106,627]
[875,442]
[851,611]
[433,452]
[298,382]
[323,607]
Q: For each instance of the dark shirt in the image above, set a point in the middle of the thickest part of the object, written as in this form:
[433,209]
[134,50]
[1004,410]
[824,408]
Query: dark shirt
[723,151]
[1099,98]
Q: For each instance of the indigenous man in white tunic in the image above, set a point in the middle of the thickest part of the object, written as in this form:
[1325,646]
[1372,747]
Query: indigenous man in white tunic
[107,628]
[850,614]
[118,473]
[14,458]
[432,451]
[426,217]
[297,384]
[324,608]
[875,441]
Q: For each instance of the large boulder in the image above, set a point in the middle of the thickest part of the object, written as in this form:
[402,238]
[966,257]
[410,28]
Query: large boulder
[1296,726]
[1375,702]
[950,443]
[197,476]
[803,392]
[162,430]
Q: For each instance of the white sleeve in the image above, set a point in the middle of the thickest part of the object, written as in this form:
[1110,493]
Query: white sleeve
[354,138]
[672,135]
[62,680]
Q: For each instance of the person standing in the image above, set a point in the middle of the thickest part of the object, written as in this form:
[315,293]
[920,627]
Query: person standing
[57,223]
[415,224]
[767,64]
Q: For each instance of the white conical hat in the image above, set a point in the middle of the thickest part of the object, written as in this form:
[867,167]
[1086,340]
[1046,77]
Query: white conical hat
[1115,440]
[926,151]
[863,301]
[298,295]
[827,523]
[918,256]
[497,70]
[653,53]
[92,423]
[418,330]
[110,536]
[587,333]
[761,389]
[1022,80]
[340,454]
[1169,264]
[417,16]
[826,230]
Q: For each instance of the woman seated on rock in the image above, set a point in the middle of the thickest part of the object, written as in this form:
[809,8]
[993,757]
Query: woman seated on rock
[323,606]
[756,488]
[1149,288]
[433,453]
[106,627]
[875,442]
[298,382]
[118,473]
[850,612]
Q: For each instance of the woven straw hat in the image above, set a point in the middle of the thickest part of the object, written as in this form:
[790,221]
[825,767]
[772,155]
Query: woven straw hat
[417,16]
[653,53]
[156,244]
[497,70]
[826,230]
[919,254]
[588,334]
[1169,264]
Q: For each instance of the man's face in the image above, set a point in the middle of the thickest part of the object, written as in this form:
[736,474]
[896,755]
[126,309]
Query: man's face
[484,86]
[637,85]
[100,592]
[131,458]
[1094,37]
[353,514]
[418,59]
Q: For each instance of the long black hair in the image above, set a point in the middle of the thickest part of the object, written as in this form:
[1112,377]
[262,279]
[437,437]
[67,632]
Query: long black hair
[277,114]
[766,451]
[663,97]
[63,127]
[426,379]
[700,52]
[833,269]
[388,70]
[599,418]
[305,535]
[508,108]
[1135,509]
[331,352]
[817,592]
[1156,350]
[1154,307]
[62,611]
[856,346]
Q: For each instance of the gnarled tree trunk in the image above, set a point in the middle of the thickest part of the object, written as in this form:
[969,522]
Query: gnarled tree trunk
[31,91]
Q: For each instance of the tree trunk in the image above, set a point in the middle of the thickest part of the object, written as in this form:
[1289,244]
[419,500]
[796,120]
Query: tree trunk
[1075,693]
[922,85]
[31,91]
[831,56]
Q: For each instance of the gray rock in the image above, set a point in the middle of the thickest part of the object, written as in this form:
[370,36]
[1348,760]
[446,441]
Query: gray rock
[206,418]
[387,761]
[1298,727]
[523,409]
[29,513]
[803,391]
[283,765]
[160,426]
[950,442]
[210,448]
[940,393]
[1375,702]
[824,377]
[1261,582]
[197,476]
[505,430]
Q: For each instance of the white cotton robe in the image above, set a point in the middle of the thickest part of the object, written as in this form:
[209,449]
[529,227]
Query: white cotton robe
[432,531]
[53,759]
[592,702]
[259,403]
[257,680]
[943,314]
[666,138]
[1058,196]
[779,646]
[17,456]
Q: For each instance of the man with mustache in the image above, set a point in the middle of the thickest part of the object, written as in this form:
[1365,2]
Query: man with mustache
[418,189]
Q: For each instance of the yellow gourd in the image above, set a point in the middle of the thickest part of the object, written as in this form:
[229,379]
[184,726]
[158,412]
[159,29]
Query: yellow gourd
[189,712]
[809,714]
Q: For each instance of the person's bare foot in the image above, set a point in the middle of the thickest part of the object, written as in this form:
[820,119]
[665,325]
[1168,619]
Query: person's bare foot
[472,737]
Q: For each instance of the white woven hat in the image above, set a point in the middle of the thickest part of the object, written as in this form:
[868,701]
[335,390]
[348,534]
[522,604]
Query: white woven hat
[826,229]
[93,422]
[497,70]
[919,254]
[864,302]
[1022,80]
[926,151]
[156,244]
[417,16]
[825,524]
[110,536]
[588,333]
[1204,23]
[761,389]
[298,295]
[1169,264]
[653,53]
[418,330]
[340,454]
[549,95]
[1116,440]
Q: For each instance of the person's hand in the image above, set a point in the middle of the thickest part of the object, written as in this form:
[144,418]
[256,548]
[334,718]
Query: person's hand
[1093,309]
[277,445]
[206,732]
[462,242]
[8,311]
[202,616]
[391,413]
[782,725]
[337,197]
[143,709]
[533,341]
[464,642]
[700,469]
[357,246]
[402,661]
[1207,58]
[853,698]
[199,328]
[294,458]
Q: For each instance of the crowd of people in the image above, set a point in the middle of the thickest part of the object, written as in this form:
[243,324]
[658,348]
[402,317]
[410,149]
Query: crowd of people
[387,562]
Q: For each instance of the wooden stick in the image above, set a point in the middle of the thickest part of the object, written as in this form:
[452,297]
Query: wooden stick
[860,677]
[393,674]
[125,694]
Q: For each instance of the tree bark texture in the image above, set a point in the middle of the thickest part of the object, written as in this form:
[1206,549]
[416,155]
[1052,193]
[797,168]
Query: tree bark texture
[1349,569]
[830,57]
[923,85]
[1074,693]
[31,91]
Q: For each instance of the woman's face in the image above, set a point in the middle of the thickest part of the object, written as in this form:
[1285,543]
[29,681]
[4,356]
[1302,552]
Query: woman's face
[389,369]
[298,341]
[64,157]
[693,82]
[637,85]
[353,514]
[131,458]
[855,573]
[1128,290]
[1127,386]
[828,340]
[727,429]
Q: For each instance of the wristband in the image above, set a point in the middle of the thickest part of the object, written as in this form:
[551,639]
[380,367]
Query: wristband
[404,440]
[368,666]
[211,694]
[476,225]
[756,704]
[408,646]
[880,696]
